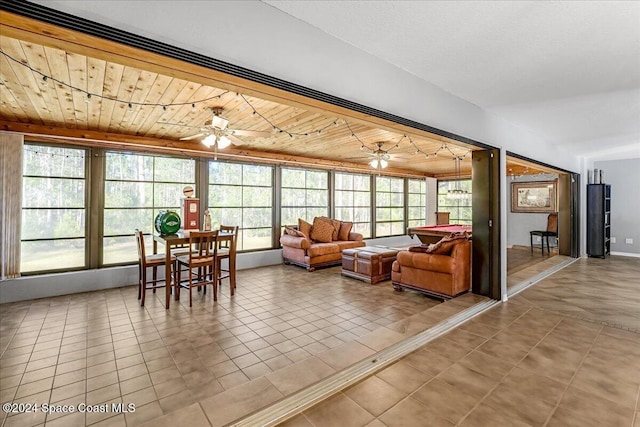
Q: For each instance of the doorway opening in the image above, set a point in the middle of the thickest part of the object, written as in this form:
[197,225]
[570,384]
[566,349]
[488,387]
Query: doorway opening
[541,218]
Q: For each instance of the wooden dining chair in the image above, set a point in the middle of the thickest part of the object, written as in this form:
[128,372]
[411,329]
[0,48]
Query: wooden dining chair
[201,264]
[149,261]
[227,249]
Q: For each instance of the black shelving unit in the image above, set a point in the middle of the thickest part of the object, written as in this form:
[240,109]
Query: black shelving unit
[598,220]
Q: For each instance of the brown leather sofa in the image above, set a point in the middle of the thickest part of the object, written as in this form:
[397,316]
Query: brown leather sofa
[441,275]
[303,251]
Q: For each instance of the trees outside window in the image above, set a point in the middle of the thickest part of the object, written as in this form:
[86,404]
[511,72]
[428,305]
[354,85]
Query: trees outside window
[242,194]
[417,203]
[389,206]
[54,209]
[137,187]
[459,208]
[304,194]
[353,201]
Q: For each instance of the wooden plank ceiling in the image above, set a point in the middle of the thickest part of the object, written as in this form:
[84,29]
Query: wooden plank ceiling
[130,102]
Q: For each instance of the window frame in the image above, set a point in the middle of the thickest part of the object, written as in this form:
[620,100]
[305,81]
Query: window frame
[455,219]
[86,238]
[376,192]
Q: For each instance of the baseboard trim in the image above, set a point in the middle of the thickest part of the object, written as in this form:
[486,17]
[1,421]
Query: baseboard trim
[629,254]
[292,405]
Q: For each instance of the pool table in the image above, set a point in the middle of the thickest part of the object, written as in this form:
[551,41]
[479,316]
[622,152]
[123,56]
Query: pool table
[433,233]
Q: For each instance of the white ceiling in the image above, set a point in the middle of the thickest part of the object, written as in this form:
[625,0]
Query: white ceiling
[568,71]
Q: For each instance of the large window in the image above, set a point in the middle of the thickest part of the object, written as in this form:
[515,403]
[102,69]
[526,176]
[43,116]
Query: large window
[353,201]
[459,207]
[137,187]
[242,194]
[417,203]
[53,209]
[305,194]
[389,206]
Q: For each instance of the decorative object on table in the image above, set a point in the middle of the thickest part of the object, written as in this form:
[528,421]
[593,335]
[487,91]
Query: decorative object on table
[188,191]
[190,213]
[167,222]
[207,220]
[596,176]
[536,197]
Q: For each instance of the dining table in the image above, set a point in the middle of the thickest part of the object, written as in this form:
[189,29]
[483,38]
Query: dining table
[169,241]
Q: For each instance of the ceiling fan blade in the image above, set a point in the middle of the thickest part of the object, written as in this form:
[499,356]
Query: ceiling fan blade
[234,140]
[197,135]
[385,156]
[257,133]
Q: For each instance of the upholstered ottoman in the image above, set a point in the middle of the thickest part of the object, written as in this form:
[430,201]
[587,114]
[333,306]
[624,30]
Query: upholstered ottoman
[370,263]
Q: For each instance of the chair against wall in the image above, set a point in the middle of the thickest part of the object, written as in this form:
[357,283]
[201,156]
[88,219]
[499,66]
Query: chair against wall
[149,261]
[227,249]
[551,231]
[202,257]
[442,218]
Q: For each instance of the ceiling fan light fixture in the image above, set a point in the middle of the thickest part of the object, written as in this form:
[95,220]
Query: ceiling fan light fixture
[219,122]
[223,142]
[378,163]
[209,141]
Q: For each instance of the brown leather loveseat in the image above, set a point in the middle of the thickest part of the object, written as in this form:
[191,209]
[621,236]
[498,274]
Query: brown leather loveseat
[319,244]
[442,270]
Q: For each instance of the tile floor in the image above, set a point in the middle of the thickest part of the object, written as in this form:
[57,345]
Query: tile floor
[514,365]
[284,329]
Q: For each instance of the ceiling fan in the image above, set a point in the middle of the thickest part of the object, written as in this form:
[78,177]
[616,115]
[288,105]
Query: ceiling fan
[215,132]
[380,156]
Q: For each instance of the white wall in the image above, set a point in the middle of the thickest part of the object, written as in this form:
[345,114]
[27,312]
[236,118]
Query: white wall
[624,178]
[520,224]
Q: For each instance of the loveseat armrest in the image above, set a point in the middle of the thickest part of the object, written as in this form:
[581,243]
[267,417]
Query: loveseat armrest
[294,241]
[355,236]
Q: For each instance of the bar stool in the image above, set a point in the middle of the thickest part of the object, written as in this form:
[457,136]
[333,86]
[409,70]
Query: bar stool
[227,250]
[203,249]
[146,261]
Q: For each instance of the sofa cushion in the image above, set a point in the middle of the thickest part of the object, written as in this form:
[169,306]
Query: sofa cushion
[318,249]
[446,244]
[291,231]
[304,227]
[334,223]
[345,229]
[322,230]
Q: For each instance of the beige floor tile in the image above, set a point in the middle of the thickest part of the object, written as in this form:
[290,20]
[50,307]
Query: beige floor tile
[239,401]
[579,408]
[299,375]
[380,338]
[144,414]
[191,415]
[485,416]
[297,421]
[403,377]
[463,378]
[411,413]
[338,410]
[597,378]
[345,354]
[445,400]
[374,395]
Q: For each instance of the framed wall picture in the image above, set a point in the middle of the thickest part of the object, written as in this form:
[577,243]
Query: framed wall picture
[538,197]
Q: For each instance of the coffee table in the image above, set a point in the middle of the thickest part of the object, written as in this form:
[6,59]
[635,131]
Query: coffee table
[371,264]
